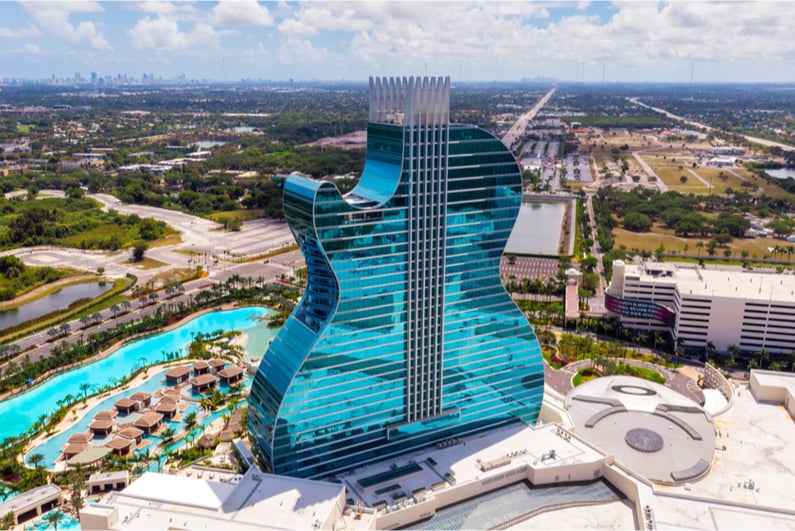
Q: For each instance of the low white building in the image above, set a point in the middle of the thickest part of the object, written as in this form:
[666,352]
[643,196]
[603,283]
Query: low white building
[253,501]
[752,310]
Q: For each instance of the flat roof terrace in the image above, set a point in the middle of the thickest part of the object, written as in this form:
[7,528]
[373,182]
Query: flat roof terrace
[511,448]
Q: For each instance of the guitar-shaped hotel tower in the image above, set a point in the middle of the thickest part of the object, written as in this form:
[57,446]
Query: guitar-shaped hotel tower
[405,336]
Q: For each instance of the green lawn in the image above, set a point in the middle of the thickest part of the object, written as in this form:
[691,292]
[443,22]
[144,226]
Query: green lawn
[242,215]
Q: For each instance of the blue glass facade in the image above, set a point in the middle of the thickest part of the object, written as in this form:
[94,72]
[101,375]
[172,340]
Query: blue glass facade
[405,335]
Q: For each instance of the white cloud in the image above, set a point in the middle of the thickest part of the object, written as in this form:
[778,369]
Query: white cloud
[22,33]
[240,13]
[301,51]
[496,35]
[163,34]
[53,17]
[29,49]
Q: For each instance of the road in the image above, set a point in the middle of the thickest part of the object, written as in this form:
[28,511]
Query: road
[521,124]
[203,243]
[753,139]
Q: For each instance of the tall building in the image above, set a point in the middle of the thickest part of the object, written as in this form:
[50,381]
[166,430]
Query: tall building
[751,310]
[405,336]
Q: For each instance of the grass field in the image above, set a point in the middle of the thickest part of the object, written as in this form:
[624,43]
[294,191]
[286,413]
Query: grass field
[242,215]
[650,241]
[148,263]
[24,129]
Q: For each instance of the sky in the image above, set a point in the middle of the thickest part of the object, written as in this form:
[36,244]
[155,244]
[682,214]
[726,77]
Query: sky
[230,40]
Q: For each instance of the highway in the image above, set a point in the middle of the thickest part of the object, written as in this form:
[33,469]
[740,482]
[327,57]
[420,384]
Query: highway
[753,139]
[518,128]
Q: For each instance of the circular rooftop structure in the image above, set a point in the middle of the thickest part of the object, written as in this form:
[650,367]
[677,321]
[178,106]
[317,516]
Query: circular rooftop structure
[650,428]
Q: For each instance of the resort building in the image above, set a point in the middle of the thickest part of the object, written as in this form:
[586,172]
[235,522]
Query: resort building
[105,481]
[143,397]
[149,422]
[405,336]
[203,382]
[126,405]
[252,501]
[750,309]
[167,407]
[177,375]
[230,375]
[32,503]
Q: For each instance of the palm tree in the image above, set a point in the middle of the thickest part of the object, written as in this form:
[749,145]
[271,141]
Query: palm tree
[764,356]
[77,504]
[206,405]
[8,521]
[84,387]
[64,329]
[126,305]
[709,351]
[84,321]
[36,460]
[699,246]
[54,518]
[190,420]
[115,309]
[96,317]
[733,351]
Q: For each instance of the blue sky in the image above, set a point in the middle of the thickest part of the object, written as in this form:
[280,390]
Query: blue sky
[482,41]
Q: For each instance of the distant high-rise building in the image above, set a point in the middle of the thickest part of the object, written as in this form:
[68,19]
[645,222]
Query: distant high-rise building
[405,336]
[93,78]
[78,77]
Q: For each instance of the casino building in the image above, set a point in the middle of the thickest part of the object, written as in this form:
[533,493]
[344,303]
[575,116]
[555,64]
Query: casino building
[752,310]
[405,336]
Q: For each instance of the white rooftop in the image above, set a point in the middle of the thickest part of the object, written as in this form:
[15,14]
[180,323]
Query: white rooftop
[719,282]
[261,501]
[463,460]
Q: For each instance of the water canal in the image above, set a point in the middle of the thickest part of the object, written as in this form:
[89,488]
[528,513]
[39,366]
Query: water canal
[58,300]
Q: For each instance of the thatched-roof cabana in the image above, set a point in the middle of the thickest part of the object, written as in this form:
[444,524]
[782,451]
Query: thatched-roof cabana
[203,382]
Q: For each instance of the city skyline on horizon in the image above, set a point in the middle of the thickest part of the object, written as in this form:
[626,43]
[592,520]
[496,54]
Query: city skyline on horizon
[233,40]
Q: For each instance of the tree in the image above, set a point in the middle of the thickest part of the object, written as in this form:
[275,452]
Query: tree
[54,518]
[37,460]
[138,251]
[114,309]
[77,503]
[190,419]
[683,179]
[637,222]
[764,356]
[84,388]
[64,329]
[8,520]
[709,350]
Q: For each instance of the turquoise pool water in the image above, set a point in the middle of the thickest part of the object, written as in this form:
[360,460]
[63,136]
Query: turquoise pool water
[68,522]
[18,413]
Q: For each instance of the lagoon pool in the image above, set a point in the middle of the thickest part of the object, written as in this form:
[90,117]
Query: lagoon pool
[51,448]
[21,411]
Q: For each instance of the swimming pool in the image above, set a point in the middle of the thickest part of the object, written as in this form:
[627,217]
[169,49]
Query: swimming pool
[21,411]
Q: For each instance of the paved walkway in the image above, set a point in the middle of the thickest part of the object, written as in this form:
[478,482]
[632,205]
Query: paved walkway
[561,379]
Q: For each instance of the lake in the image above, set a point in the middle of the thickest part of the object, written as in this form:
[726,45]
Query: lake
[537,229]
[782,173]
[59,300]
